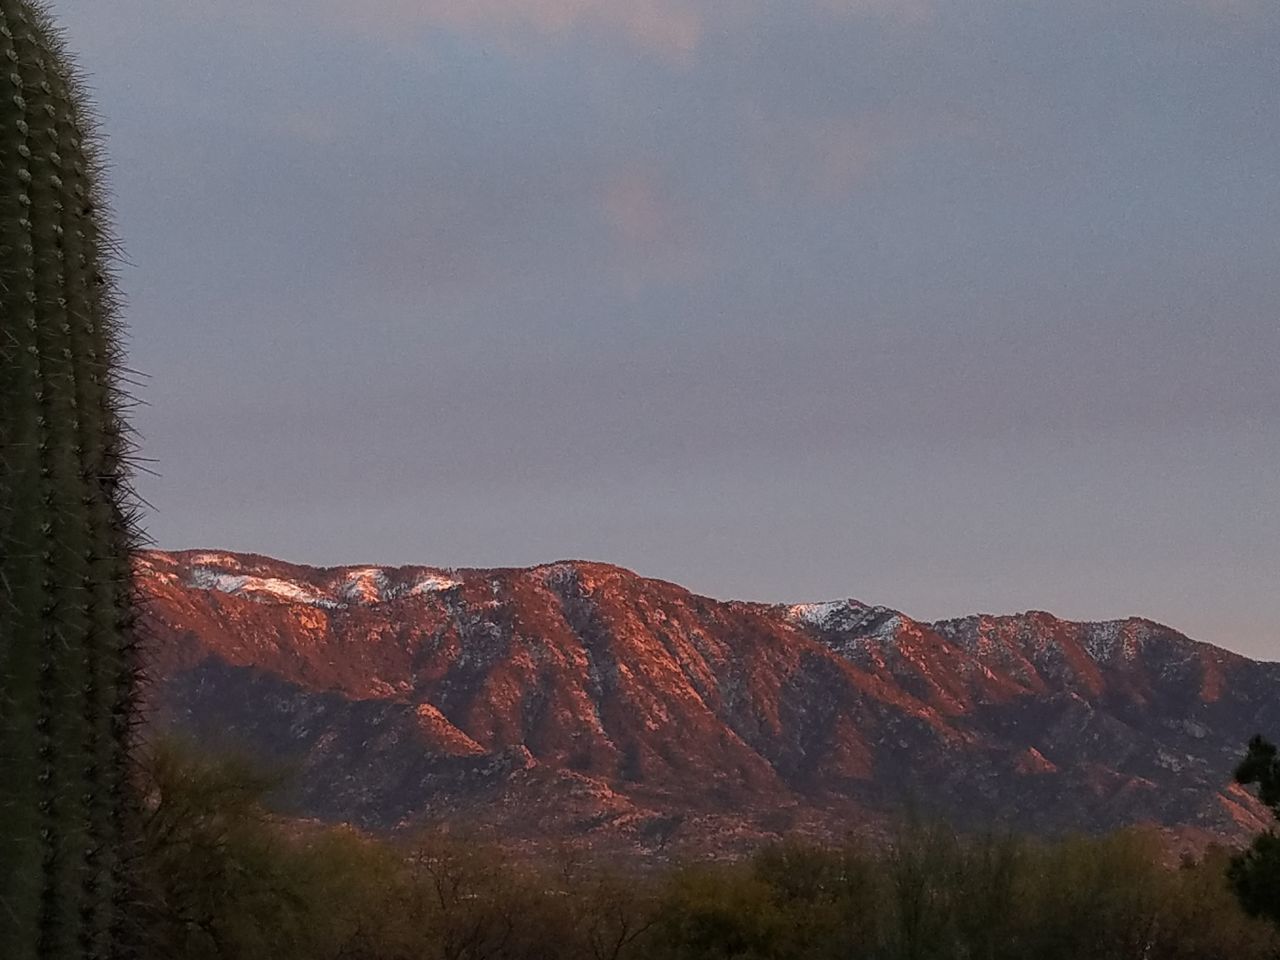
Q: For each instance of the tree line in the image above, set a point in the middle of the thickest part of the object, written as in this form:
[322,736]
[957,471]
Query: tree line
[219,878]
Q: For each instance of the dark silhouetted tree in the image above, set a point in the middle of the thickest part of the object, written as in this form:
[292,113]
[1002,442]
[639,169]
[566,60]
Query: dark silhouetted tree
[1255,873]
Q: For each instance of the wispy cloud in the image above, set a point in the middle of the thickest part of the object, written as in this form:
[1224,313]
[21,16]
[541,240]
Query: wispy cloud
[664,25]
[654,236]
[670,28]
[826,157]
[902,11]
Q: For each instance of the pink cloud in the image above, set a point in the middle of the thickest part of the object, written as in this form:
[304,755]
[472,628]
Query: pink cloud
[654,238]
[829,156]
[903,11]
[671,28]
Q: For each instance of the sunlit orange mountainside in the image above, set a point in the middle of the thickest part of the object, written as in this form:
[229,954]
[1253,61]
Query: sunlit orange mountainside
[581,702]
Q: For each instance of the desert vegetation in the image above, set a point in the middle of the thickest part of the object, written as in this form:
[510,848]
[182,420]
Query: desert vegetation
[222,879]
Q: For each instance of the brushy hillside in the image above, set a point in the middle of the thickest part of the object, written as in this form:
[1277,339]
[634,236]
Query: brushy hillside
[224,881]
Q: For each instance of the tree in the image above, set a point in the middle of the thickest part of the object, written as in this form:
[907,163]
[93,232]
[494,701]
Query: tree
[1262,766]
[1255,873]
[212,876]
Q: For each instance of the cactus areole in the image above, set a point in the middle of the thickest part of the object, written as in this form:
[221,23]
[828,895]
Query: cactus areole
[66,522]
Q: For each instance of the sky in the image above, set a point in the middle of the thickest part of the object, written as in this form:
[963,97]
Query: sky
[949,305]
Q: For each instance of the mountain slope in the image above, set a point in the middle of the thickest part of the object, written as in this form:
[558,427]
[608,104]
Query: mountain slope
[578,700]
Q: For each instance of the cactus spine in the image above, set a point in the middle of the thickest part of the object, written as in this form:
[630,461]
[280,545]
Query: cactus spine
[67,531]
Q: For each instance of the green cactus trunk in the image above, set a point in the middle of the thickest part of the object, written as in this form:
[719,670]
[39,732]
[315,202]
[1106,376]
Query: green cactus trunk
[67,648]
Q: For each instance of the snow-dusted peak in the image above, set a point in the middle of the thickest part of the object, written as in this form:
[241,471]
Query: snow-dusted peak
[837,615]
[361,586]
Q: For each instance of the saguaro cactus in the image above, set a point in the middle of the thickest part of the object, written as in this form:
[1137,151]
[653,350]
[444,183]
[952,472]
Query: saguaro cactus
[67,527]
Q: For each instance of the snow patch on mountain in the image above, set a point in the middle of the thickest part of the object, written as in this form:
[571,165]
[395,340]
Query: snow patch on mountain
[868,646]
[1102,641]
[258,588]
[1125,638]
[216,559]
[432,584]
[368,585]
[843,616]
[818,614]
[364,586]
[971,634]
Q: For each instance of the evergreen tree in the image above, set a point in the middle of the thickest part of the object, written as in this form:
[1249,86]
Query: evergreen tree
[1255,873]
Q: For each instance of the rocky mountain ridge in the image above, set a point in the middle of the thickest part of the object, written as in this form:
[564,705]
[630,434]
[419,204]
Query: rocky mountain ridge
[580,703]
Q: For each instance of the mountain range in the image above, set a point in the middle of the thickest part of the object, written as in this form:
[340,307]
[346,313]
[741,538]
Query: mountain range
[579,703]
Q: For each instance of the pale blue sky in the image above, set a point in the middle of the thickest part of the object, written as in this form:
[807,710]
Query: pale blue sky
[951,305]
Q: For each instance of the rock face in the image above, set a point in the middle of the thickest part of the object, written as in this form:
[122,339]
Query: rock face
[578,702]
